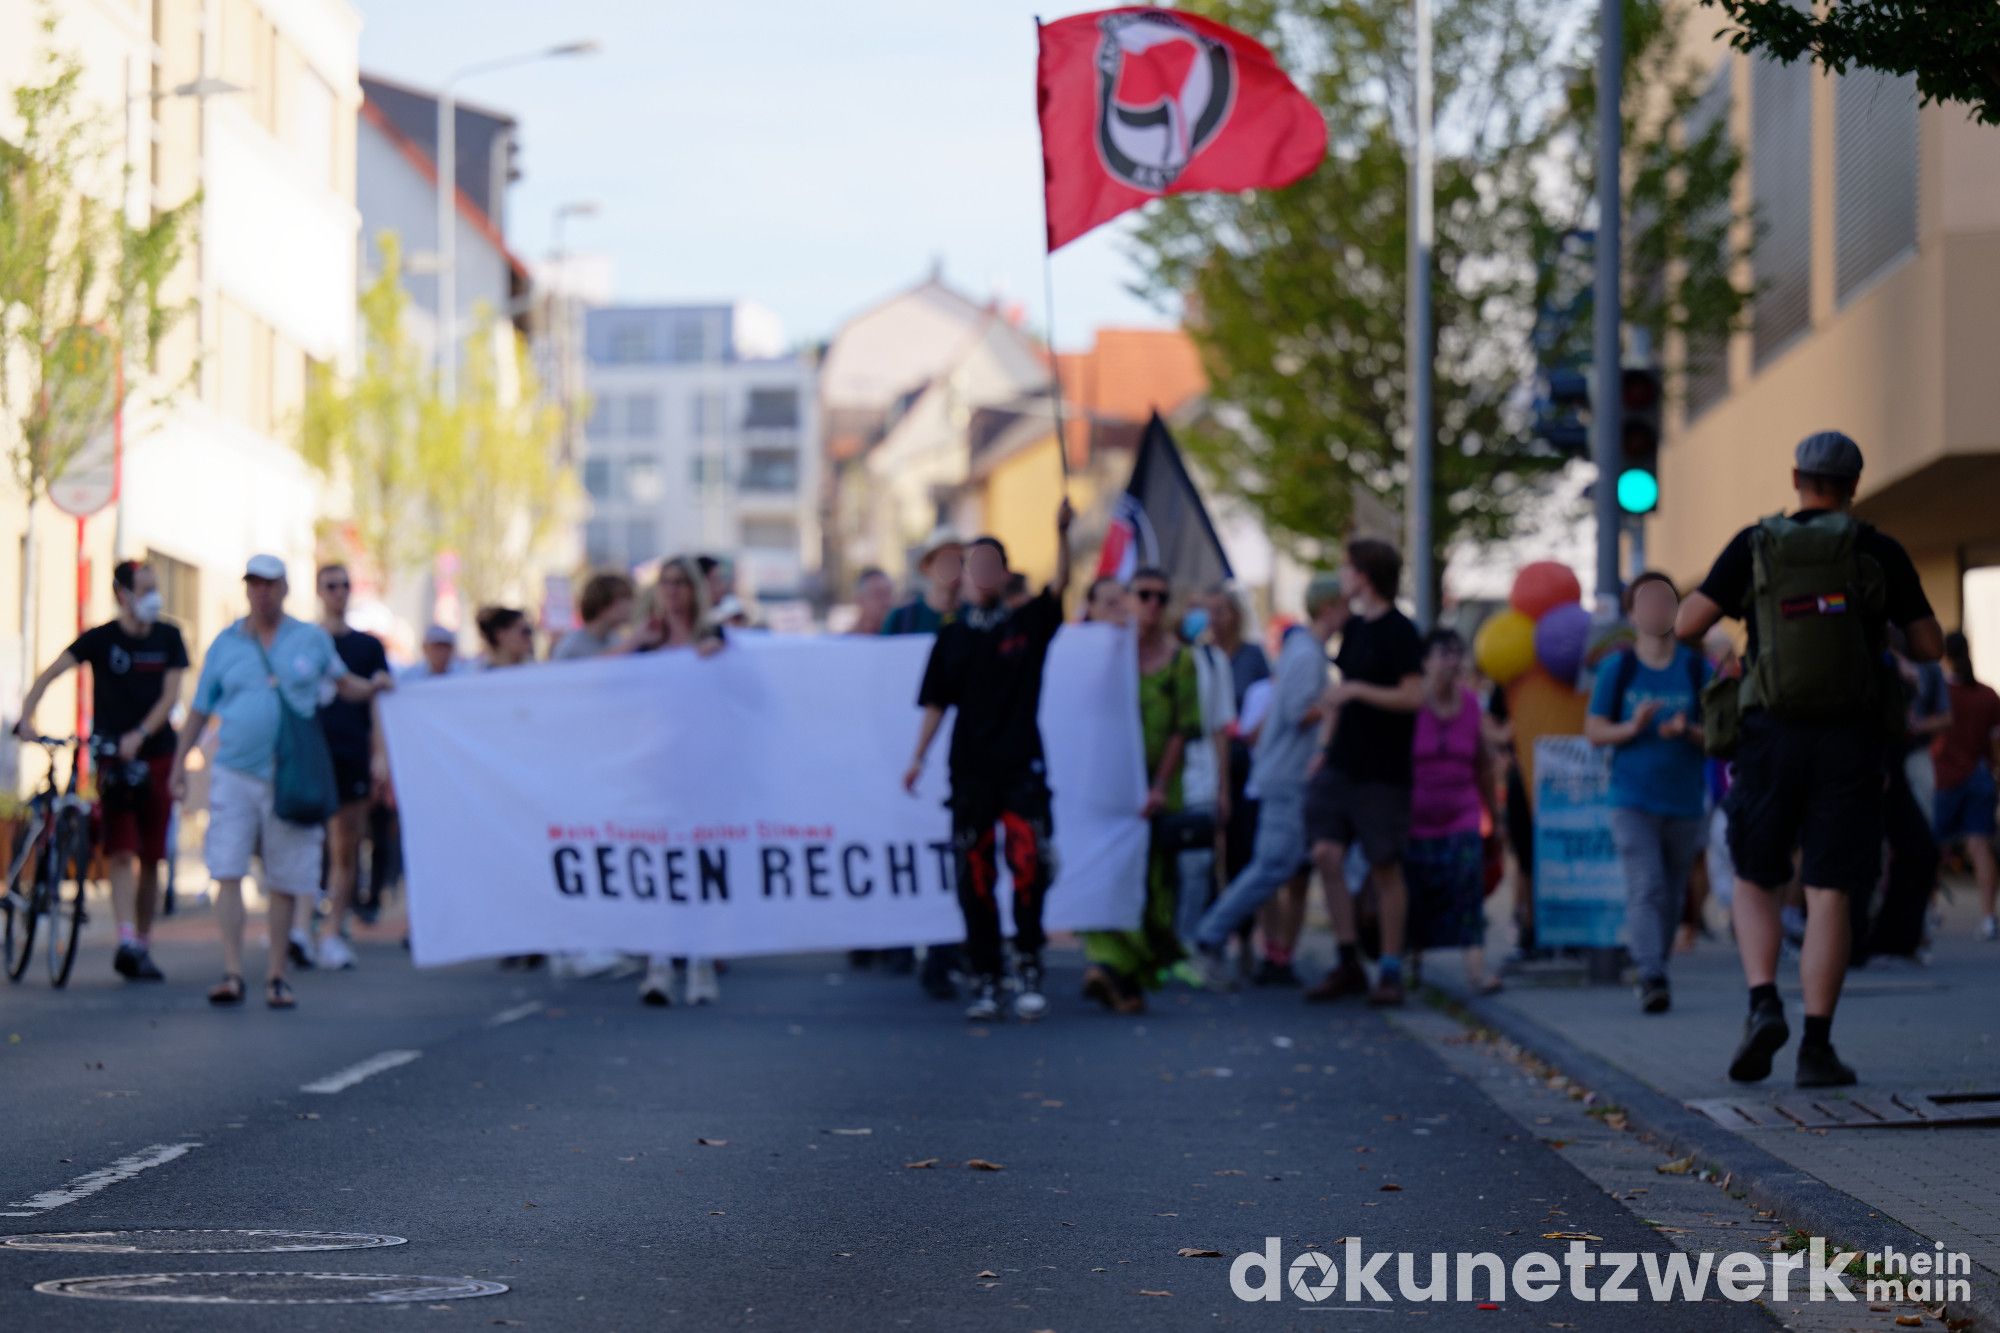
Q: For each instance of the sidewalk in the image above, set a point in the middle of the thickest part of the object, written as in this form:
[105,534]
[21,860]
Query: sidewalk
[1907,1029]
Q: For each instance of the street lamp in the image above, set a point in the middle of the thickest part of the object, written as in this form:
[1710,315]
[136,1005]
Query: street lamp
[447,190]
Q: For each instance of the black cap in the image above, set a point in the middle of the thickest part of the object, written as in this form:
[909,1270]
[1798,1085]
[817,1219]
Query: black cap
[1828,453]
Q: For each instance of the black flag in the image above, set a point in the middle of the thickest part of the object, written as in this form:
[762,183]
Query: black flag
[1160,520]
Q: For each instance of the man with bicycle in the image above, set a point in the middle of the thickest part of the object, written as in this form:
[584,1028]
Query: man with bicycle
[136,660]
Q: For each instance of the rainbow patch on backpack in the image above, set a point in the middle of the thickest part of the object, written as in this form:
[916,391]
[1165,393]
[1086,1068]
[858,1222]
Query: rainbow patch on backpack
[1828,604]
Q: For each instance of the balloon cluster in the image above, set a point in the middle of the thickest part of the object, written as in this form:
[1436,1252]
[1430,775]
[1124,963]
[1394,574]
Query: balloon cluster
[1545,622]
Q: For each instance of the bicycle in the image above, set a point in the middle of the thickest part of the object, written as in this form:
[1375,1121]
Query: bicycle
[54,851]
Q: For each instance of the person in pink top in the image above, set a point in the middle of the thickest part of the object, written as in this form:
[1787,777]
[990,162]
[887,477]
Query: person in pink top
[1451,804]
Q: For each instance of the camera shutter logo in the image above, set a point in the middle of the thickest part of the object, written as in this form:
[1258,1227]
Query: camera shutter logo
[1312,1276]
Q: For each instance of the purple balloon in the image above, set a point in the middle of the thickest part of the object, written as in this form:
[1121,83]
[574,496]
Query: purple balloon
[1561,636]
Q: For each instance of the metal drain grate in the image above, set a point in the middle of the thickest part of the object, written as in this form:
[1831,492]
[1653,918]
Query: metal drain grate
[271,1288]
[195,1241]
[1865,1109]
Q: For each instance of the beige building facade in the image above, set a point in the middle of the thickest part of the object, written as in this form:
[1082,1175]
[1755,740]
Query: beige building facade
[1876,259]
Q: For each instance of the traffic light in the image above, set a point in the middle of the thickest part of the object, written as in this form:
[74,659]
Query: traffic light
[1562,410]
[1639,462]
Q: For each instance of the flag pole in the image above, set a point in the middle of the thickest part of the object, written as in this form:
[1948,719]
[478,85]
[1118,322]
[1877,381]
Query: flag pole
[1049,291]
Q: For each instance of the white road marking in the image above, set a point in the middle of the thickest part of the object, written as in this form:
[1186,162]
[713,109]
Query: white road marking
[84,1186]
[515,1015]
[353,1074]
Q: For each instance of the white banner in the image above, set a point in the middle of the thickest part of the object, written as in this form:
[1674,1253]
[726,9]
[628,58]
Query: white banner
[747,803]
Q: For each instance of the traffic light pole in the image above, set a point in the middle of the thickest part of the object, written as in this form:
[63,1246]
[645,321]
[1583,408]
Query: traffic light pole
[1423,442]
[1607,402]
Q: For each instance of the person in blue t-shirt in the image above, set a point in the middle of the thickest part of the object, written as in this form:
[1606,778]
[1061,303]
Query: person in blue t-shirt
[1647,706]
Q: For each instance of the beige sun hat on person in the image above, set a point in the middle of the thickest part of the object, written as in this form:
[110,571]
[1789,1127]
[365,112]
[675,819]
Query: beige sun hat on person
[941,539]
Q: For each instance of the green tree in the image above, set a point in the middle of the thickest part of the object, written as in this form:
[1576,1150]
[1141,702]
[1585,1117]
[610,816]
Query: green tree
[1952,46]
[479,478]
[82,288]
[1296,296]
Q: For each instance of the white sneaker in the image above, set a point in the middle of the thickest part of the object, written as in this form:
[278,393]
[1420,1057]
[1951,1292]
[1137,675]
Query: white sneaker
[1989,929]
[335,953]
[702,987]
[655,987]
[1029,1002]
[985,1006]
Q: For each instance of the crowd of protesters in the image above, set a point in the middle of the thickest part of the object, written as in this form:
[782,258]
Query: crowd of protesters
[1378,770]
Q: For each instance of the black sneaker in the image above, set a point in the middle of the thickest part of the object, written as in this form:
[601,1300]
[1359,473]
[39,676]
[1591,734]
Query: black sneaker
[1654,997]
[1764,1032]
[1271,973]
[1819,1067]
[144,969]
[126,961]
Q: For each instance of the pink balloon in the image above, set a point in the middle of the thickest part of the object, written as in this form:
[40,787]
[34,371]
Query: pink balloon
[1542,586]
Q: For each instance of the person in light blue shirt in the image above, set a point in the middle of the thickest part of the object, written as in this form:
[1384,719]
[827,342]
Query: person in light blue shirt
[247,669]
[1647,707]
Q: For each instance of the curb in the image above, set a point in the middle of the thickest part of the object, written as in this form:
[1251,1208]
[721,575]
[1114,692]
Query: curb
[1796,1196]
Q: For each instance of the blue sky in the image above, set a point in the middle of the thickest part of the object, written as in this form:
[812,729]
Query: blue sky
[810,156]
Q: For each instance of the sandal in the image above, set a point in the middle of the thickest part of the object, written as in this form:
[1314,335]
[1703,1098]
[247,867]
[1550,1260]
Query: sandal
[1098,986]
[278,994]
[229,992]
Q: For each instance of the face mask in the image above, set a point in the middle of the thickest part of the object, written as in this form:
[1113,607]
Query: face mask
[147,608]
[1193,624]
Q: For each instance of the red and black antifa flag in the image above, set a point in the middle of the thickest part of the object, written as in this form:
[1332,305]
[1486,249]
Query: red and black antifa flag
[1160,521]
[1137,103]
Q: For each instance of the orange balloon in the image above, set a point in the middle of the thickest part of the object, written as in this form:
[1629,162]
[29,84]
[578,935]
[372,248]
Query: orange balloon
[1543,586]
[1541,705]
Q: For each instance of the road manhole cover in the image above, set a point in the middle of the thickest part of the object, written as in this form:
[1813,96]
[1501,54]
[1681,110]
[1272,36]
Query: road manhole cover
[183,1240]
[271,1288]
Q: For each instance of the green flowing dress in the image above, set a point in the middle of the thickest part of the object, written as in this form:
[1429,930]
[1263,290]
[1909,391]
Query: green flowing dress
[1169,706]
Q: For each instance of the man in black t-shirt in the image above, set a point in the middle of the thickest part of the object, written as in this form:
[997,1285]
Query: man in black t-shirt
[360,769]
[1809,784]
[988,665]
[135,663]
[1360,791]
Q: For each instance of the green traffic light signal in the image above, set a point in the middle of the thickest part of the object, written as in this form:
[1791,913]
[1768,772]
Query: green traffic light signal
[1638,491]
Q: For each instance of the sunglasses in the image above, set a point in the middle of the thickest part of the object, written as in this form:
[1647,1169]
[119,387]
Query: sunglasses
[342,586]
[1159,595]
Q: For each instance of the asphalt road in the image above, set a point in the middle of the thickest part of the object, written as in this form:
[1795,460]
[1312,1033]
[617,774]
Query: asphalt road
[548,1135]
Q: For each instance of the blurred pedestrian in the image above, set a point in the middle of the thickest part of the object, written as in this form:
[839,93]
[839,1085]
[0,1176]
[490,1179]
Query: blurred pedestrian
[874,598]
[360,774]
[1107,602]
[1967,754]
[1452,798]
[1249,669]
[1125,964]
[1287,737]
[509,638]
[1204,774]
[263,665]
[1817,592]
[942,602]
[1646,708]
[438,657]
[606,608]
[136,660]
[988,666]
[1360,793]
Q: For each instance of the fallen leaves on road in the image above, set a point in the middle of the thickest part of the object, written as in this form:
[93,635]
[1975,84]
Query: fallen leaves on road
[1195,1252]
[1145,1292]
[985,1272]
[981,1164]
[851,1133]
[1680,1166]
[1569,1235]
[1390,1189]
[924,1165]
[712,1143]
[717,1212]
[1229,1173]
[1909,1321]
[1166,1214]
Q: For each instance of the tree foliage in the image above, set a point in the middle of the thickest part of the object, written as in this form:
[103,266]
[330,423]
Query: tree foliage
[81,287]
[1952,46]
[1296,296]
[478,478]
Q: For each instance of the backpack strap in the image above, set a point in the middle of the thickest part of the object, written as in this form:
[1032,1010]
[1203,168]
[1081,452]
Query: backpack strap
[1622,677]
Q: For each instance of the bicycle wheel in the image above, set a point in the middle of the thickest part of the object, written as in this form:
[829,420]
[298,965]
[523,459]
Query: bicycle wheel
[23,905]
[68,866]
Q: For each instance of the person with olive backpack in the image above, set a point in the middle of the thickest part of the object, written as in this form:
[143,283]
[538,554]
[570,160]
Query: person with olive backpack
[1811,725]
[271,788]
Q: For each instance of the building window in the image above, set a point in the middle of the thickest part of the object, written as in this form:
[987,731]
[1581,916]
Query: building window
[770,534]
[1874,176]
[1706,368]
[772,409]
[1781,183]
[639,541]
[771,470]
[708,408]
[597,481]
[689,345]
[642,416]
[180,592]
[643,479]
[598,427]
[704,468]
[597,543]
[629,342]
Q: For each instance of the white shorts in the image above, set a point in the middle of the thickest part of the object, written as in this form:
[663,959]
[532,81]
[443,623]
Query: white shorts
[241,823]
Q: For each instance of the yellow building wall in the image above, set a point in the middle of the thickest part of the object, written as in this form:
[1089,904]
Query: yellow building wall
[1019,497]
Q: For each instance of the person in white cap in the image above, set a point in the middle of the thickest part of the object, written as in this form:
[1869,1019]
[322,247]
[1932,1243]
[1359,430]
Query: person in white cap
[440,657]
[264,662]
